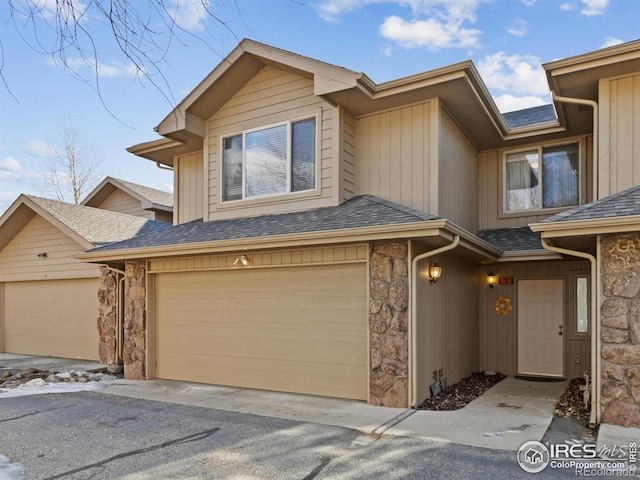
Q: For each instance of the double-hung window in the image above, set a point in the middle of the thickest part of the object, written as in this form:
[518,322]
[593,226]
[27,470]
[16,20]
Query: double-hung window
[545,177]
[277,159]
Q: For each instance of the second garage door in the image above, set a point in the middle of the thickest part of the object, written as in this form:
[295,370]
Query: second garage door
[295,329]
[55,318]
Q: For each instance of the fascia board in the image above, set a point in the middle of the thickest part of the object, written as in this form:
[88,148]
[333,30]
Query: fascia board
[599,58]
[597,226]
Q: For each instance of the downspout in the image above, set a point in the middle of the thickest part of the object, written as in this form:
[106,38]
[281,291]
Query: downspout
[119,306]
[414,309]
[595,329]
[594,105]
[595,342]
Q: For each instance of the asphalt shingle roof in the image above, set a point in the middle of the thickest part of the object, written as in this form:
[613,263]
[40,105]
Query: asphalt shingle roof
[530,116]
[361,211]
[96,226]
[512,239]
[153,195]
[622,204]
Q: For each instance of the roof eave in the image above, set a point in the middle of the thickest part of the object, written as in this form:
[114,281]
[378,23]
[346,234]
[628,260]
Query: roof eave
[423,229]
[598,226]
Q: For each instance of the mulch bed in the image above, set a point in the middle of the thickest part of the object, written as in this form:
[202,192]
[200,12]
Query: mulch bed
[461,393]
[571,403]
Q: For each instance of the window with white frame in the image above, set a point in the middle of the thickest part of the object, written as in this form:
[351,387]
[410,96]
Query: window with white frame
[277,159]
[544,177]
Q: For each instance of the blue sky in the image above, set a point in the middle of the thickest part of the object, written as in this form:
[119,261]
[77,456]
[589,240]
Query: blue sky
[506,39]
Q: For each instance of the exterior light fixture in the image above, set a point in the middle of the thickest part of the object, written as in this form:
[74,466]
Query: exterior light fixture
[242,260]
[435,271]
[492,280]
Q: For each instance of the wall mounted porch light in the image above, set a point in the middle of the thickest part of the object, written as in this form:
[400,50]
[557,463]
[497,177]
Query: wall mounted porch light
[241,261]
[435,271]
[492,280]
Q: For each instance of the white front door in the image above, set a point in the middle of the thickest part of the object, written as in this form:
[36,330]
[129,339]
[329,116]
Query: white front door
[541,327]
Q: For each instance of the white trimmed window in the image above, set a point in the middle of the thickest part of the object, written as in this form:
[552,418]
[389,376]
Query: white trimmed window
[544,177]
[277,159]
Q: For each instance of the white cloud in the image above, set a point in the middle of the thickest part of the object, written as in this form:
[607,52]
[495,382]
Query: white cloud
[517,74]
[432,24]
[332,10]
[116,69]
[387,50]
[594,7]
[49,9]
[611,41]
[189,14]
[518,28]
[567,7]
[529,3]
[39,148]
[428,33]
[10,164]
[511,103]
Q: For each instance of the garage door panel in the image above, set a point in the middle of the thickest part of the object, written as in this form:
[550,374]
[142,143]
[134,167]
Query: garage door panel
[297,329]
[318,379]
[52,318]
[264,344]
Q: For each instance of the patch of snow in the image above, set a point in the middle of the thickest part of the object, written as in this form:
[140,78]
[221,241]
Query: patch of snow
[99,380]
[11,471]
[36,382]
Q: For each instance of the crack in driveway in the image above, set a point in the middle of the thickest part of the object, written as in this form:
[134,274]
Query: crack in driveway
[189,438]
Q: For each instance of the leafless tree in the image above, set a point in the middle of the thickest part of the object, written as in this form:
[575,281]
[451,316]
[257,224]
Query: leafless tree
[143,30]
[73,165]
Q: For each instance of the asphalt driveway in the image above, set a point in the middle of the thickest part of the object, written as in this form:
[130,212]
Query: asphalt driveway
[99,436]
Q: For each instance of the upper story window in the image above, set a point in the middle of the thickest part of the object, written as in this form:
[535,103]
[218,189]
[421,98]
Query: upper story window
[273,160]
[545,177]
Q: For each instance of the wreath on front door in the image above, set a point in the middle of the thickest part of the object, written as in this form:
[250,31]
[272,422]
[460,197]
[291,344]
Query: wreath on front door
[502,305]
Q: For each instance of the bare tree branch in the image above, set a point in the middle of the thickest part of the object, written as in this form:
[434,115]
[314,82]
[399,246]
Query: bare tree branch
[143,31]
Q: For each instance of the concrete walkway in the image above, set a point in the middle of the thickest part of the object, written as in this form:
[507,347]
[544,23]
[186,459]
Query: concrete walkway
[506,416]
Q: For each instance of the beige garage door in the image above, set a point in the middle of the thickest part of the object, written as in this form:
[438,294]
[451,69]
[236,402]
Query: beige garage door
[296,329]
[54,318]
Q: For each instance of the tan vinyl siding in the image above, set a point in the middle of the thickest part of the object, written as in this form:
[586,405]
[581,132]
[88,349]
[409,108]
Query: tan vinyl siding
[393,151]
[447,322]
[295,257]
[348,155]
[619,134]
[458,174]
[272,96]
[498,333]
[491,209]
[189,185]
[293,329]
[51,318]
[19,259]
[122,202]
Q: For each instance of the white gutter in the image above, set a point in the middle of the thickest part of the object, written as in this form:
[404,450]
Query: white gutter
[595,328]
[413,340]
[594,105]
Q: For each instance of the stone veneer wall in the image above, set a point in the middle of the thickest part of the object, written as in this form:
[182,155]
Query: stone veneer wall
[620,335]
[388,303]
[107,316]
[134,348]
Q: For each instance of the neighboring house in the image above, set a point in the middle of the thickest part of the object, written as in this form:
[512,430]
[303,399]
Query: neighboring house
[126,197]
[49,299]
[339,237]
